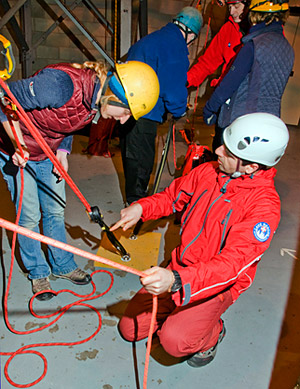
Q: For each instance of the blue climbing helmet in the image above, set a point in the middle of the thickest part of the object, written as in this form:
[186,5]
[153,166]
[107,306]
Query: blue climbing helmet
[190,21]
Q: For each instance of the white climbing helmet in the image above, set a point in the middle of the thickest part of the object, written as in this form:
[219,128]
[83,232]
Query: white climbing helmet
[257,137]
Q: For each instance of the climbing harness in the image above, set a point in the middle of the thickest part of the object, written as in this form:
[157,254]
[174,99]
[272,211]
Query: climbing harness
[47,150]
[10,105]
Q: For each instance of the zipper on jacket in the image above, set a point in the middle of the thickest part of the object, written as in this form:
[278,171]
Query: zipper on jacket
[197,236]
[223,191]
[188,214]
[224,222]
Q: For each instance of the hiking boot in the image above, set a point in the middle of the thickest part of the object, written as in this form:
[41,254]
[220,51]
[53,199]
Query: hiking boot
[42,284]
[77,276]
[203,358]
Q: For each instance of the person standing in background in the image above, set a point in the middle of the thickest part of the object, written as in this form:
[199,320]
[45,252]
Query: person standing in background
[258,76]
[166,51]
[222,50]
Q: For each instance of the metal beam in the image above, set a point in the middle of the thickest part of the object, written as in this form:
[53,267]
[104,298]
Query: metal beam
[65,29]
[100,17]
[125,26]
[86,33]
[143,18]
[13,27]
[53,26]
[6,18]
[27,55]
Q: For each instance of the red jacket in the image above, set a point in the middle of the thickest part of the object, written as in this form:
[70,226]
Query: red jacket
[221,50]
[226,227]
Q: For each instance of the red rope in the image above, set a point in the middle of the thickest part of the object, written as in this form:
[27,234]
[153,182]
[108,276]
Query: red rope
[64,246]
[149,343]
[23,350]
[44,146]
[60,313]
[17,229]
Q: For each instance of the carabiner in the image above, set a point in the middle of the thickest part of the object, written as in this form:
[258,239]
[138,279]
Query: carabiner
[10,63]
[96,216]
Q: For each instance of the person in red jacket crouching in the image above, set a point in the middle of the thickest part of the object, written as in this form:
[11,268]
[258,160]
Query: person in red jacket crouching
[231,213]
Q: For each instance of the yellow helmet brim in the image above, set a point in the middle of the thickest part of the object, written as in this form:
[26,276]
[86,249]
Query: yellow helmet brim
[268,6]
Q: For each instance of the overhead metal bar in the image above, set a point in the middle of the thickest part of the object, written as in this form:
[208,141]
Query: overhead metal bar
[85,33]
[125,26]
[13,27]
[58,21]
[66,30]
[27,55]
[11,12]
[102,19]
[22,33]
[143,18]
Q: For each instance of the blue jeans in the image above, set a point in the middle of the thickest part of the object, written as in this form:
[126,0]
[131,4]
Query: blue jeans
[43,197]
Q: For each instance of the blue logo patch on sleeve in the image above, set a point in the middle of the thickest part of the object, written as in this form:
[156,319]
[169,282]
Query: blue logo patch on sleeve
[262,231]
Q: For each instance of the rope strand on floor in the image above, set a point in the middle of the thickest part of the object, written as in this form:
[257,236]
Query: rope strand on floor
[23,350]
[17,229]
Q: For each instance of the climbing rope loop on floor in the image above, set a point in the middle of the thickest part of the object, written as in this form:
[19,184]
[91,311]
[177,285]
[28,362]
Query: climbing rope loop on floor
[82,298]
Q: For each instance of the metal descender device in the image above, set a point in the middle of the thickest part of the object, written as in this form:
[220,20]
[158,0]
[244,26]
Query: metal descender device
[96,216]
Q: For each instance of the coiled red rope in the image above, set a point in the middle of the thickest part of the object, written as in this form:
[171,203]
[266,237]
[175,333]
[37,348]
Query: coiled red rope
[24,350]
[17,229]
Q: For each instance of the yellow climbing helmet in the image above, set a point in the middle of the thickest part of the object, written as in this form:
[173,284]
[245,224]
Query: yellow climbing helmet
[141,86]
[269,6]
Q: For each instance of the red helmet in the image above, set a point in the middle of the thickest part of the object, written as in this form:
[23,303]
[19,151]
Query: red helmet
[223,2]
[236,1]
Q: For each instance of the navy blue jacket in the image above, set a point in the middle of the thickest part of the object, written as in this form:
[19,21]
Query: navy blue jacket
[166,52]
[257,78]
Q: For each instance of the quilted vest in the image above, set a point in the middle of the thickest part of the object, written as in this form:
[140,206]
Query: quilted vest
[55,123]
[263,87]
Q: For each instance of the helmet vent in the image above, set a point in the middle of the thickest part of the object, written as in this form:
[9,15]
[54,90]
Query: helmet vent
[241,145]
[247,141]
[258,139]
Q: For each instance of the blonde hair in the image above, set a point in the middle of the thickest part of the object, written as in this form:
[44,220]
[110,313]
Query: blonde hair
[101,72]
[256,17]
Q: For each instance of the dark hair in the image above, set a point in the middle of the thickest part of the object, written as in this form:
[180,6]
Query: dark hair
[244,162]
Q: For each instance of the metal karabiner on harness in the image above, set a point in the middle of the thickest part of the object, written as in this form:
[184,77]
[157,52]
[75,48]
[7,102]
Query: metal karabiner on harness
[8,108]
[96,217]
[9,59]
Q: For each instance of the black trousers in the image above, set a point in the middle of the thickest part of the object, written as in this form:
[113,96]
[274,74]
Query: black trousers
[137,141]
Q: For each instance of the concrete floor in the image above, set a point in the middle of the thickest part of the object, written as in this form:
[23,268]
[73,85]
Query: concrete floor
[261,348]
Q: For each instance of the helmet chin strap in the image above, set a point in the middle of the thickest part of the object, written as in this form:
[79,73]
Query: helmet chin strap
[98,114]
[187,31]
[237,173]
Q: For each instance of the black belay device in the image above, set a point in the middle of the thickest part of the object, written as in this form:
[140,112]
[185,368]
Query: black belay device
[96,217]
